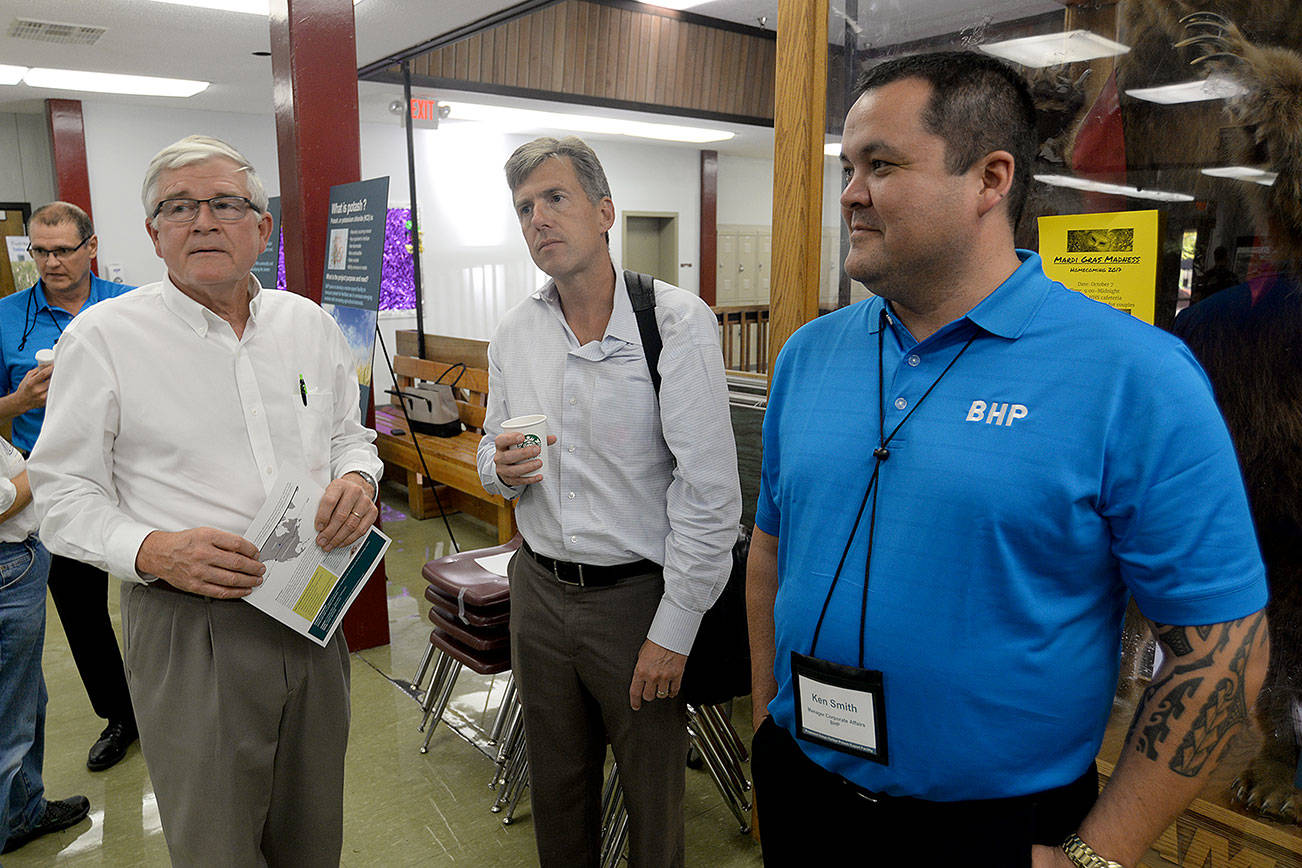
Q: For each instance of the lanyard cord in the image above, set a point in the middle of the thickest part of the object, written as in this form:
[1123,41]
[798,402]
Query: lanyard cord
[28,316]
[880,454]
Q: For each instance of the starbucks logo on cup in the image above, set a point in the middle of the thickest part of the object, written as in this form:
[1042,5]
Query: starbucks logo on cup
[531,440]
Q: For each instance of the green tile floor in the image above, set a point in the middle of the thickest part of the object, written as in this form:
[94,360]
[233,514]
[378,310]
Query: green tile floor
[401,807]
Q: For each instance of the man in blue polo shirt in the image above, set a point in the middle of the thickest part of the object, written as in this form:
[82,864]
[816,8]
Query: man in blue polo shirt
[964,478]
[63,243]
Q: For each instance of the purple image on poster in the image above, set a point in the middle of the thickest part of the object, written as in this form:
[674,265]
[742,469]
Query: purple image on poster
[397,282]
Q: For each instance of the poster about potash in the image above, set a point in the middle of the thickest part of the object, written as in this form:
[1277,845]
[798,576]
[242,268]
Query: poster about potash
[1110,257]
[350,289]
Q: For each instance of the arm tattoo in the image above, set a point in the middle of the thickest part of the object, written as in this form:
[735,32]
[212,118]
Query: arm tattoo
[1221,712]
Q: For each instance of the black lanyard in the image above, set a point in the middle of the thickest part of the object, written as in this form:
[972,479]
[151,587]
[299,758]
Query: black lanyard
[29,317]
[880,454]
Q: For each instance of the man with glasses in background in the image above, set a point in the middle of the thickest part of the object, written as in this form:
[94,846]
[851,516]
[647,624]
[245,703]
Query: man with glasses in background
[201,389]
[63,243]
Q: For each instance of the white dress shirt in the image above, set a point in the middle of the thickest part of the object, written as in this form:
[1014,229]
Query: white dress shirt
[627,479]
[19,527]
[159,418]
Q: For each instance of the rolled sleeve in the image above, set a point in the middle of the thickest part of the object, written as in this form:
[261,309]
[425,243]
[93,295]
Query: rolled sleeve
[494,414]
[704,496]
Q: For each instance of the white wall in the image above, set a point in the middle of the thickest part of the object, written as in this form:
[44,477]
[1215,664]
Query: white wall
[745,191]
[120,141]
[26,164]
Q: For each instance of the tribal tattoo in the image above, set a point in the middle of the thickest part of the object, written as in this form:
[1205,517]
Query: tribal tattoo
[1166,701]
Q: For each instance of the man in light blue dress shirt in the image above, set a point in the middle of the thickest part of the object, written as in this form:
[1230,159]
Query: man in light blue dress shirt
[628,533]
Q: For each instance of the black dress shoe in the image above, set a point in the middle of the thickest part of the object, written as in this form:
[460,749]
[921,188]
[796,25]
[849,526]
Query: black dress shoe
[57,817]
[111,746]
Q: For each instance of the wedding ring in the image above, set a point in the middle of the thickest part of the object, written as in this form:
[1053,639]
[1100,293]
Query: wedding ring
[661,694]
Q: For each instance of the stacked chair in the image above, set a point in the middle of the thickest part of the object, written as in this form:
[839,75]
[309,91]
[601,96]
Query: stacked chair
[470,609]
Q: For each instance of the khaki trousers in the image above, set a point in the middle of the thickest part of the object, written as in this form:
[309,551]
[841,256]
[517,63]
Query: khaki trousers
[243,725]
[573,651]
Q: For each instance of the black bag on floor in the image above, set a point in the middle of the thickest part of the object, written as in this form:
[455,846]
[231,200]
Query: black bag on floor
[718,669]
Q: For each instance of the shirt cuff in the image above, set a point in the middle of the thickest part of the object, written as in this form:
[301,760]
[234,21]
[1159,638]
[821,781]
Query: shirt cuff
[123,546]
[674,627]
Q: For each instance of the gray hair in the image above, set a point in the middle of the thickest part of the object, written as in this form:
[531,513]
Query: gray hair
[587,167]
[55,213]
[198,149]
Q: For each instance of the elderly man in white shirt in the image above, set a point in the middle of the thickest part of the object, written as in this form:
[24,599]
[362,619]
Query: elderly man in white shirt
[172,410]
[629,532]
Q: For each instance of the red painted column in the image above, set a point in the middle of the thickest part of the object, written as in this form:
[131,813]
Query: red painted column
[68,147]
[709,224]
[314,68]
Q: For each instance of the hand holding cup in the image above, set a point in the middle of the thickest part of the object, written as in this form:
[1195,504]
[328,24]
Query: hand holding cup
[521,458]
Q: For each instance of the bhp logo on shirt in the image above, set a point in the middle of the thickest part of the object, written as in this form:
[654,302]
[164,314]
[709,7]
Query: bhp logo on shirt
[995,413]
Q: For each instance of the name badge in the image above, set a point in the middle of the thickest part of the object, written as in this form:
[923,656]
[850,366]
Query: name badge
[841,707]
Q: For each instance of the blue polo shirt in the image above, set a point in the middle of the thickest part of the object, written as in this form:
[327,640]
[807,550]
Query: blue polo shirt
[28,313]
[1071,457]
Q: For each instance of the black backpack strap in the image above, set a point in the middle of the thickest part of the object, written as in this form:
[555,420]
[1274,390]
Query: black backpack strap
[642,293]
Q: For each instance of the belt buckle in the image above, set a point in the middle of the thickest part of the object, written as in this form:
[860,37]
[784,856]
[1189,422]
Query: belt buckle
[556,571]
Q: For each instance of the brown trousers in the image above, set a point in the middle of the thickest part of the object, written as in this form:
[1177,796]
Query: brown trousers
[573,651]
[243,725]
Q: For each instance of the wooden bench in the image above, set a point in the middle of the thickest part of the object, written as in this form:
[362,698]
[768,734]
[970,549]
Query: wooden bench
[451,460]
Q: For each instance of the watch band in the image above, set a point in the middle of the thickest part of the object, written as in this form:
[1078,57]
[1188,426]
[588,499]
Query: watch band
[375,486]
[1083,855]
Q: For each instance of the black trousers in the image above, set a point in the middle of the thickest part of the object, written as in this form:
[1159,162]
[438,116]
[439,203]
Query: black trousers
[80,594]
[810,816]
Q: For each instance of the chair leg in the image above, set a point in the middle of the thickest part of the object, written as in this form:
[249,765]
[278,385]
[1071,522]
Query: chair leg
[435,687]
[423,667]
[442,704]
[503,710]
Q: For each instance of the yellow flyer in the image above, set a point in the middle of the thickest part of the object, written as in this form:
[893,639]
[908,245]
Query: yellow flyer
[1110,257]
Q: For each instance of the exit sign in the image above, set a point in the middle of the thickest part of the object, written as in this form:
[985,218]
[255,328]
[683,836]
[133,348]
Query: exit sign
[425,109]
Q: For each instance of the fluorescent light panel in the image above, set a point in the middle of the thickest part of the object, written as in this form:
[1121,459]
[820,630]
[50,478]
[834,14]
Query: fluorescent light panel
[11,74]
[106,82]
[1112,189]
[1216,87]
[528,119]
[673,4]
[1243,173]
[1052,49]
[251,7]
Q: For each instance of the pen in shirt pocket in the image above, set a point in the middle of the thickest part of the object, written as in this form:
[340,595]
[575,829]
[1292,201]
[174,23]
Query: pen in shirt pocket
[302,389]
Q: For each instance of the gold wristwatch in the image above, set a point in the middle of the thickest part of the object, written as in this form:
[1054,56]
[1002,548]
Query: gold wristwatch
[1082,855]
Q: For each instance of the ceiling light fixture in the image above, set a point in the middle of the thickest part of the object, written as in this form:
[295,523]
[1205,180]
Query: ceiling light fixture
[1243,173]
[1215,87]
[1052,49]
[674,4]
[512,119]
[11,74]
[251,7]
[107,82]
[1112,189]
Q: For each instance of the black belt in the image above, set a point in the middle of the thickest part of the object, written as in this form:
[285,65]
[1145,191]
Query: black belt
[588,575]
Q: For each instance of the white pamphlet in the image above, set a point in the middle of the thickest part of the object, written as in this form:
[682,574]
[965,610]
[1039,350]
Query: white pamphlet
[305,587]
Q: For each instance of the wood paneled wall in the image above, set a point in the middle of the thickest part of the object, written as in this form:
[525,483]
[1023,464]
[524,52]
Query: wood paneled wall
[606,52]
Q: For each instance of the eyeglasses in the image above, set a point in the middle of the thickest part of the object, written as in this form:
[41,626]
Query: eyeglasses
[227,209]
[41,254]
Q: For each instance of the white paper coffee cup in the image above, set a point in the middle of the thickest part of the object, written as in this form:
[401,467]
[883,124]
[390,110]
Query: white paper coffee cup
[45,357]
[534,429]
